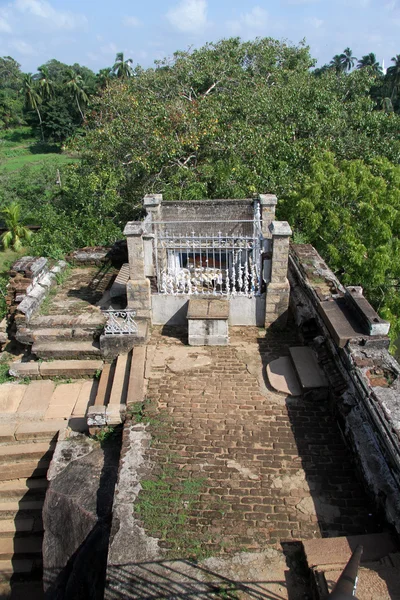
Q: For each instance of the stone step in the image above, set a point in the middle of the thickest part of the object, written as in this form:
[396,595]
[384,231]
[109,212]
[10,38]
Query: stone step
[118,288]
[14,453]
[309,373]
[53,334]
[20,525]
[23,488]
[19,566]
[39,430]
[11,508]
[116,406]
[378,575]
[88,321]
[27,468]
[66,350]
[22,545]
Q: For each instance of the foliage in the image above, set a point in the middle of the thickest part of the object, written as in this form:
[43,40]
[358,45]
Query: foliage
[350,211]
[15,233]
[4,375]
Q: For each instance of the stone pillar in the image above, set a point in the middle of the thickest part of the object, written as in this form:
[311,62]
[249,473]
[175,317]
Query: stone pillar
[278,289]
[138,286]
[268,204]
[152,204]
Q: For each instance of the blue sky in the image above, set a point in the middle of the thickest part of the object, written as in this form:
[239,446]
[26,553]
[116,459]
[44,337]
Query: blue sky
[91,32]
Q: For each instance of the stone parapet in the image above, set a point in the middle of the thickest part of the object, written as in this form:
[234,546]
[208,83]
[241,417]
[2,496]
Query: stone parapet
[268,204]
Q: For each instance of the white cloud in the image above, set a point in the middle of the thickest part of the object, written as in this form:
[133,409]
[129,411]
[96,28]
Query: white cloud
[255,20]
[45,12]
[5,27]
[22,47]
[131,22]
[189,16]
[314,22]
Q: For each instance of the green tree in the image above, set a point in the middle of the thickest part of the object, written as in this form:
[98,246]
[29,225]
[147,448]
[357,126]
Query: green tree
[347,59]
[122,68]
[32,97]
[75,84]
[46,84]
[369,60]
[16,233]
[393,75]
[350,211]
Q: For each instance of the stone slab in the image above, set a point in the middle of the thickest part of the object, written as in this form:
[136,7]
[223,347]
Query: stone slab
[309,373]
[24,369]
[340,321]
[11,395]
[372,322]
[39,430]
[337,551]
[36,398]
[282,377]
[208,332]
[85,398]
[120,381]
[208,308]
[7,433]
[104,387]
[136,376]
[70,368]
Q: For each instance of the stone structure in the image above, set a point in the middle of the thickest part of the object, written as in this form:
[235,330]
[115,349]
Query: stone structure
[208,322]
[364,379]
[230,249]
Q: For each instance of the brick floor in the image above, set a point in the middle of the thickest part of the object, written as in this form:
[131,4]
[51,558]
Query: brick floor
[276,468]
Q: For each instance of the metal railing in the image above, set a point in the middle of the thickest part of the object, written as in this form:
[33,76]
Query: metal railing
[119,322]
[211,259]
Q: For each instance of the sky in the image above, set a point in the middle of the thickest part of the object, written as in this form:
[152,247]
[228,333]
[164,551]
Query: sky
[91,32]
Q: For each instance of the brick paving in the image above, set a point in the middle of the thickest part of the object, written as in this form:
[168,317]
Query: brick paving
[275,468]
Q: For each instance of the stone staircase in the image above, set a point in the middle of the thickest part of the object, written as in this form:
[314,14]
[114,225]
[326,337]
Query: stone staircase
[64,336]
[379,572]
[298,374]
[24,460]
[121,384]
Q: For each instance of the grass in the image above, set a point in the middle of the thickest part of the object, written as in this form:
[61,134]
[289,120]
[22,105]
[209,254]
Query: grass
[164,506]
[19,147]
[4,376]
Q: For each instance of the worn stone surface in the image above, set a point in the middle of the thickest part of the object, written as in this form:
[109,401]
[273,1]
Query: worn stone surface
[282,377]
[275,470]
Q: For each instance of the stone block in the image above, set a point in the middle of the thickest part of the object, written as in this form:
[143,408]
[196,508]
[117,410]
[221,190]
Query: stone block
[28,369]
[96,416]
[115,414]
[70,368]
[208,332]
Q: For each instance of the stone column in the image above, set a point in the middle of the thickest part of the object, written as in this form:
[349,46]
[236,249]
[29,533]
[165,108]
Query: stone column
[138,286]
[278,289]
[152,204]
[268,204]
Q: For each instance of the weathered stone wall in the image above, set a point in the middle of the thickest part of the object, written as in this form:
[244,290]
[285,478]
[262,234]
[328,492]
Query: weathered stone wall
[364,380]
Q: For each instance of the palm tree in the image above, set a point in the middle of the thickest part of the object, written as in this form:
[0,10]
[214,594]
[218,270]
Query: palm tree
[336,64]
[369,60]
[16,233]
[122,68]
[393,75]
[347,59]
[75,84]
[104,76]
[32,97]
[46,84]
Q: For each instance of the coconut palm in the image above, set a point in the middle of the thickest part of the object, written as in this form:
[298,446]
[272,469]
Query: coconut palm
[393,75]
[336,64]
[104,76]
[46,84]
[347,59]
[32,97]
[369,60]
[122,68]
[16,233]
[76,86]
